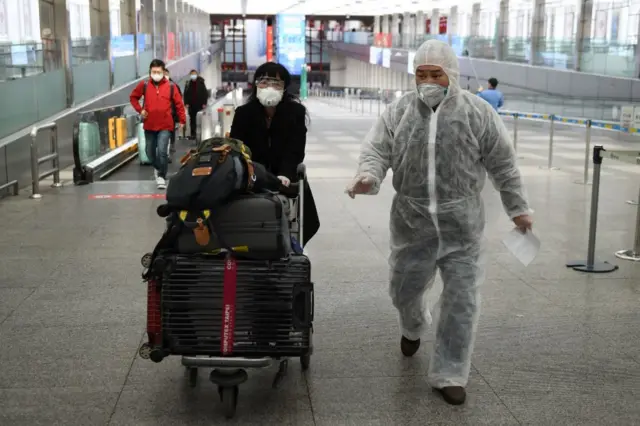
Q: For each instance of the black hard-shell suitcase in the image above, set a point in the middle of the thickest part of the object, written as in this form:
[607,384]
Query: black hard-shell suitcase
[254,226]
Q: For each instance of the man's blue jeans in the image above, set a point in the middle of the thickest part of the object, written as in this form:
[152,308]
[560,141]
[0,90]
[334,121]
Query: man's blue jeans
[158,150]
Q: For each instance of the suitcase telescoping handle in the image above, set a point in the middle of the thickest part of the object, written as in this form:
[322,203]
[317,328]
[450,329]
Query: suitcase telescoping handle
[302,176]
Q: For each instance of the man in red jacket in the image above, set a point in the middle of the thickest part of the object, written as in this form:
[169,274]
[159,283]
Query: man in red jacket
[162,97]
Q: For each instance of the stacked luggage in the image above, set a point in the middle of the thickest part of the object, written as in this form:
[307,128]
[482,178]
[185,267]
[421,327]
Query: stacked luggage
[228,287]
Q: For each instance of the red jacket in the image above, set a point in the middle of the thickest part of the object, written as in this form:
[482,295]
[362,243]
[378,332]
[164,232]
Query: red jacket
[157,103]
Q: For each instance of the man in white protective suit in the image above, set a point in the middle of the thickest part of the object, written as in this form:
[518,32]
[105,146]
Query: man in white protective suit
[440,141]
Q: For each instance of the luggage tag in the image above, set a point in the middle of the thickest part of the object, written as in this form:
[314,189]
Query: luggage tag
[203,170]
[199,227]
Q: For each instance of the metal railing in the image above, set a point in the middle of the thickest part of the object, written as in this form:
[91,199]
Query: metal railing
[36,160]
[13,185]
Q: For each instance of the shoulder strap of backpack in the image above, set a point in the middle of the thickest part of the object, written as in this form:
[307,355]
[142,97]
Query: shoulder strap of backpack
[144,92]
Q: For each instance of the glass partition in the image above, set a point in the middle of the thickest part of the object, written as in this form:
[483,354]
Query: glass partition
[25,101]
[90,64]
[20,60]
[123,59]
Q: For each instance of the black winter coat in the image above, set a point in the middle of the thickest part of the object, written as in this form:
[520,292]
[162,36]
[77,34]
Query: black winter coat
[201,94]
[279,147]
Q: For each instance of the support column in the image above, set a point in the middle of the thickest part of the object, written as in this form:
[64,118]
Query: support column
[172,29]
[452,24]
[583,34]
[128,25]
[474,31]
[395,26]
[385,24]
[419,25]
[376,25]
[637,74]
[160,29]
[59,53]
[503,30]
[100,24]
[406,38]
[146,19]
[537,32]
[435,22]
[182,20]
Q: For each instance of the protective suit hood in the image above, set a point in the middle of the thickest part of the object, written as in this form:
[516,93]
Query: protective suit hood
[438,53]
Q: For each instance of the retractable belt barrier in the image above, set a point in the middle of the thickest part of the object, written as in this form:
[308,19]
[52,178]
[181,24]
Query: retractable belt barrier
[590,264]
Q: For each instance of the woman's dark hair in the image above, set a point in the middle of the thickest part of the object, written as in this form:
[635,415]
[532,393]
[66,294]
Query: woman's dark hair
[157,63]
[275,70]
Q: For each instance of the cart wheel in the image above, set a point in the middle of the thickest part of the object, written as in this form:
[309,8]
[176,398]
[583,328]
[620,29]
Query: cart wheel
[193,376]
[305,360]
[146,260]
[229,397]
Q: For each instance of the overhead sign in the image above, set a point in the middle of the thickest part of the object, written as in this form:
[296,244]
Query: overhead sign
[291,42]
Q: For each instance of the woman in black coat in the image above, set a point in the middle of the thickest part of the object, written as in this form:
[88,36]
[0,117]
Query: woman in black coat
[273,124]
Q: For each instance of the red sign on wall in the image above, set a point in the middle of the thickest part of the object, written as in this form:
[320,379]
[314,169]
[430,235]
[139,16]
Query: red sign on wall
[382,40]
[442,25]
[269,43]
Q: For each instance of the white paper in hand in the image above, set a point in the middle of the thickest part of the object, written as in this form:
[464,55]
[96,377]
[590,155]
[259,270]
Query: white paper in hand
[524,247]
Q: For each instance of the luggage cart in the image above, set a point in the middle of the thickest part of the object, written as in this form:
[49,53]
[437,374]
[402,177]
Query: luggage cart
[229,372]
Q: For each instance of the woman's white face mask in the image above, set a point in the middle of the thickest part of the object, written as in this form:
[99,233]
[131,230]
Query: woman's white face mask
[431,94]
[269,96]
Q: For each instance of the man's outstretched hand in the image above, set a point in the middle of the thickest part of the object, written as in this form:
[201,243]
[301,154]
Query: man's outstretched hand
[360,185]
[523,222]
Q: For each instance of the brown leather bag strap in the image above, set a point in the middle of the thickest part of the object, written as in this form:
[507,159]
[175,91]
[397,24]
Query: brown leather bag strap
[251,174]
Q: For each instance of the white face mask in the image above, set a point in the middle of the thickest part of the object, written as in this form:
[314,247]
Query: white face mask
[157,77]
[431,94]
[269,96]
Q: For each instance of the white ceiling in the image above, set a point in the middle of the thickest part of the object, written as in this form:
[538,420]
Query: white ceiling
[320,7]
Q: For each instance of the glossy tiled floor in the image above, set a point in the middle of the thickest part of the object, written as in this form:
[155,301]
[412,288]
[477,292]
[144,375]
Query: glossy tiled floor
[554,346]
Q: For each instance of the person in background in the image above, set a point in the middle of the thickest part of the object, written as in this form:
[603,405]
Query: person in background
[160,98]
[273,124]
[176,119]
[195,98]
[441,142]
[492,94]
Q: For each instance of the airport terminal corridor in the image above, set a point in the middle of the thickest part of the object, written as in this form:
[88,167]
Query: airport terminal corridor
[554,346]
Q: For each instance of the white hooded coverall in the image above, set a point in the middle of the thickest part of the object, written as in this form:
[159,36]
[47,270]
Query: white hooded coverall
[440,161]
